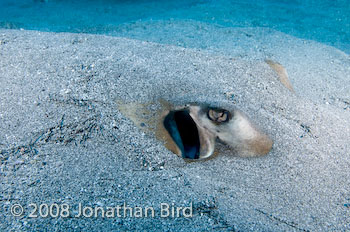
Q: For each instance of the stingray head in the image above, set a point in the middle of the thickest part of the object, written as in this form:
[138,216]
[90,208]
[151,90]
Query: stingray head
[194,129]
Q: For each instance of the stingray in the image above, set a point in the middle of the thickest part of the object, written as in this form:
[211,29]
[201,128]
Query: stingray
[192,130]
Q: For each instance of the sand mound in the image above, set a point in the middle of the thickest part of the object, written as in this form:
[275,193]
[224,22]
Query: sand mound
[317,71]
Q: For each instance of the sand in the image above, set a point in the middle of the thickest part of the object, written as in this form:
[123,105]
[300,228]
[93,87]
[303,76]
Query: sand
[64,140]
[315,69]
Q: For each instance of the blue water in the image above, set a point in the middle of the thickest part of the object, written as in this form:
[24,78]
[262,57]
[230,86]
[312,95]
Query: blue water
[326,21]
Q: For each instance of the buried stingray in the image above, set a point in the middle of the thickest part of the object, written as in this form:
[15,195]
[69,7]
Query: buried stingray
[191,131]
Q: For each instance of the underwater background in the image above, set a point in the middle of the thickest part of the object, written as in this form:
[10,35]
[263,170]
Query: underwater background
[324,21]
[79,112]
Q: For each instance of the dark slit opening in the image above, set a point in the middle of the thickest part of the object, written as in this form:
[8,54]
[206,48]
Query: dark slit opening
[183,131]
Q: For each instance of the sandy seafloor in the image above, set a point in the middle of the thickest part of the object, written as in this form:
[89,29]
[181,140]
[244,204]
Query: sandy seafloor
[63,139]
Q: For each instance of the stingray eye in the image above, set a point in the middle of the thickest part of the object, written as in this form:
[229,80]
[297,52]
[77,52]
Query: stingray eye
[219,115]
